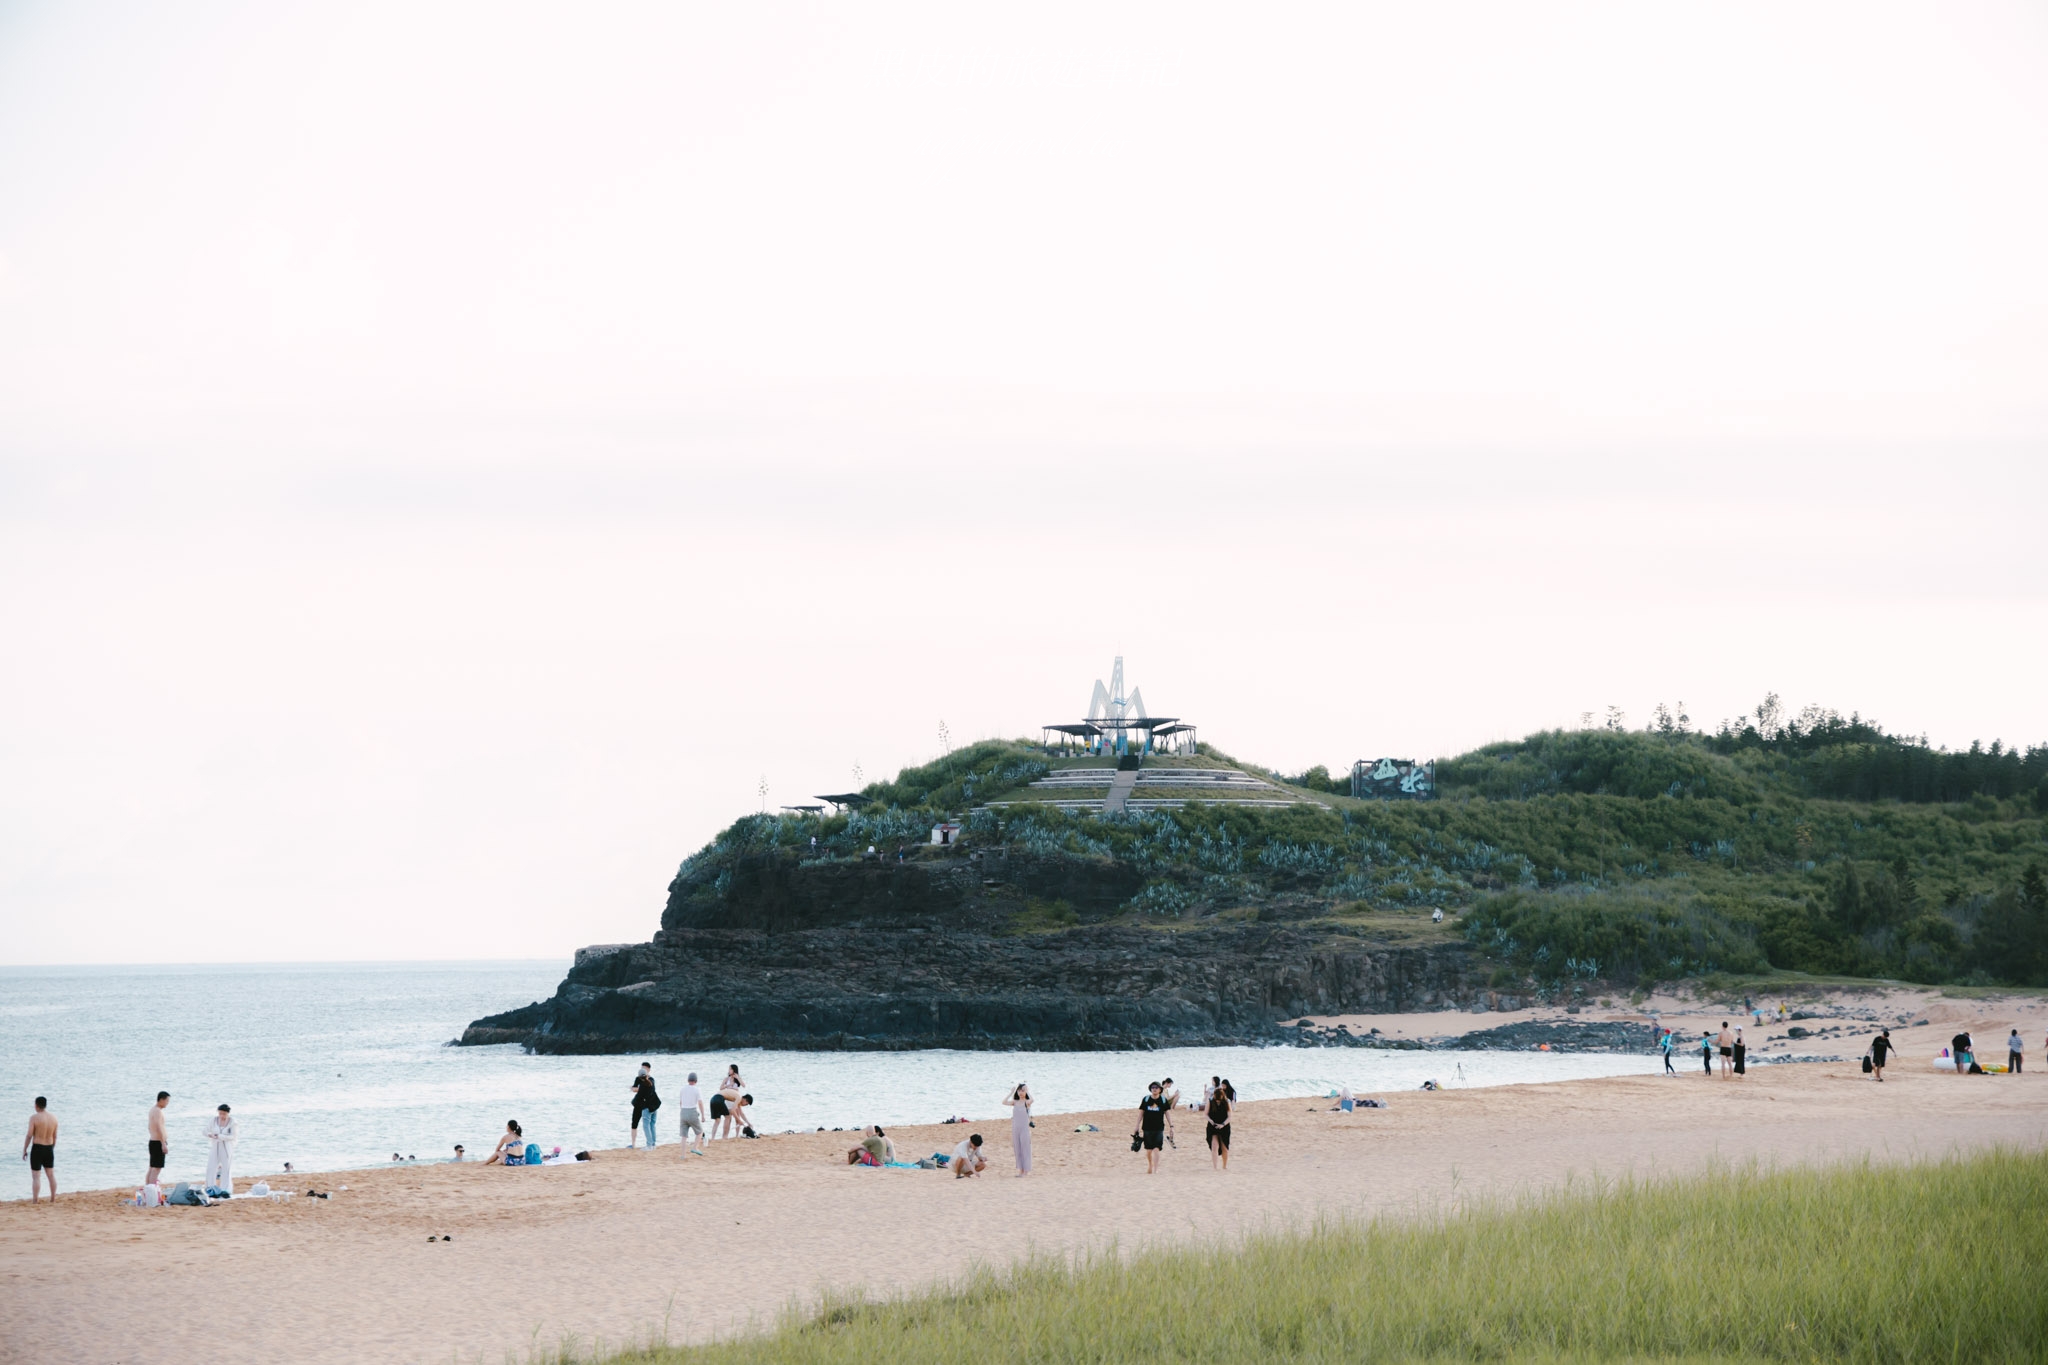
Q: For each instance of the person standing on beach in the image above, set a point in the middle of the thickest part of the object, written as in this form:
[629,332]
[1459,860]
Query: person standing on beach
[1726,1043]
[1959,1049]
[39,1150]
[1218,1131]
[1880,1048]
[1020,1126]
[645,1102]
[1740,1052]
[2013,1045]
[1707,1052]
[692,1118]
[220,1158]
[1668,1044]
[1151,1132]
[159,1145]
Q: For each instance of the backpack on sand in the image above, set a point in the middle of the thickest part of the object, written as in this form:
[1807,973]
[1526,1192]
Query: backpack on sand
[533,1154]
[1867,1067]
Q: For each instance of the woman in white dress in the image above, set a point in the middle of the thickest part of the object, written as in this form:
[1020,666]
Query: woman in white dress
[1020,1126]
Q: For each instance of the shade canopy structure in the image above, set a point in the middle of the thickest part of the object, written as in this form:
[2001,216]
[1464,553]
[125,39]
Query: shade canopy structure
[1094,734]
[806,810]
[846,800]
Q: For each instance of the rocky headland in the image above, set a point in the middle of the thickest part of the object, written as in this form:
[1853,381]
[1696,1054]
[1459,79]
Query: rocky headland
[983,948]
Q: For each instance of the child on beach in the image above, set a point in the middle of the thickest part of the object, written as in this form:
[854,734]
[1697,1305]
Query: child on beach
[691,1118]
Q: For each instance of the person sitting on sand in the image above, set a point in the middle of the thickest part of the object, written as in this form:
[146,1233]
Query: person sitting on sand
[511,1147]
[875,1149]
[967,1158]
[460,1155]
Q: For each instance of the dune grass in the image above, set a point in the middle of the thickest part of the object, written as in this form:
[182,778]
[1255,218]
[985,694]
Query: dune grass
[1946,1261]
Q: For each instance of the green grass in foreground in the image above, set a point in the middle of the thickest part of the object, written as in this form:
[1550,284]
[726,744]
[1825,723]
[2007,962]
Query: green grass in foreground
[1946,1261]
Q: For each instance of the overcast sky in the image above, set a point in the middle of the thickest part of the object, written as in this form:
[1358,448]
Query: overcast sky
[451,455]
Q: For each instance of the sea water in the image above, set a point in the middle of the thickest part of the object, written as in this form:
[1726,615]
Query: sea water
[333,1067]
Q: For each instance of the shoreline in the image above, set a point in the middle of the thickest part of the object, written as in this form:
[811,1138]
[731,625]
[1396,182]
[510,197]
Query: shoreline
[616,1247]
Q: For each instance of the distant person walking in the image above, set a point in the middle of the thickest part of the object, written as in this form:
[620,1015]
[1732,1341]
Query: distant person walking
[1020,1126]
[1880,1048]
[220,1157]
[1725,1041]
[645,1101]
[39,1150]
[1217,1131]
[2013,1048]
[159,1143]
[692,1117]
[1151,1132]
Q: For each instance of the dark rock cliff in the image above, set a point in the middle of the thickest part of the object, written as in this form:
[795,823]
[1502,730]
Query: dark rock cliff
[771,951]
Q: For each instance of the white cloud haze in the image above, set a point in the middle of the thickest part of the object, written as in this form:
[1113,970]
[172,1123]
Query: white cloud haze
[449,455]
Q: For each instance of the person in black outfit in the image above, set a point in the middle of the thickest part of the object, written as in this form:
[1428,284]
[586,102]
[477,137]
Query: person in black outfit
[1219,1130]
[645,1102]
[1959,1048]
[1880,1048]
[1151,1132]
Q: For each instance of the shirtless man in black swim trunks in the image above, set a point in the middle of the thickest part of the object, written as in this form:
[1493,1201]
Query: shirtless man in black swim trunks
[39,1149]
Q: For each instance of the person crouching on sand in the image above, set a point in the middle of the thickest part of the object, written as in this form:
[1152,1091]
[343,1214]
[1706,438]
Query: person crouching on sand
[967,1157]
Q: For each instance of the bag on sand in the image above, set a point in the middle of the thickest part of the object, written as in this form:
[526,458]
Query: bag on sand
[1867,1067]
[533,1154]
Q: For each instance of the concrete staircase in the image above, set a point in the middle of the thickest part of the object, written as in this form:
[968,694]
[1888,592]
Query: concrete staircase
[1120,788]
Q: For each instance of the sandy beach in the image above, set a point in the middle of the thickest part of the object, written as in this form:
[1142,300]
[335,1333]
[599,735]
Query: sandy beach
[637,1244]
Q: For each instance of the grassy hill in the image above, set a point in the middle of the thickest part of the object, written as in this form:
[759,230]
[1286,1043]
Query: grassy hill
[1817,845]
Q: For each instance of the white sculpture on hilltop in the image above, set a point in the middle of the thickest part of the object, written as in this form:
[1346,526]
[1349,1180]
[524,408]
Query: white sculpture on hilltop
[1109,705]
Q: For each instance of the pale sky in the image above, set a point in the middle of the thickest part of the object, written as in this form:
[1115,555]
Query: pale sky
[451,455]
